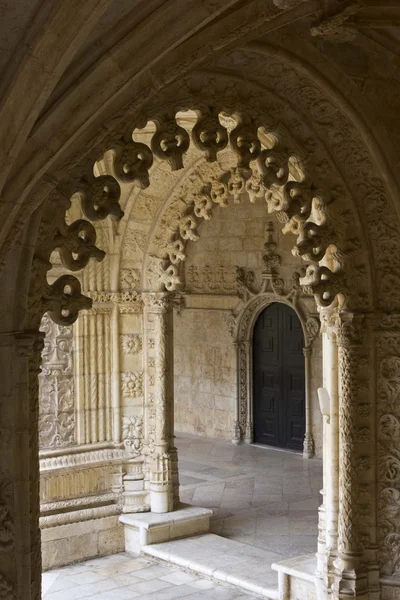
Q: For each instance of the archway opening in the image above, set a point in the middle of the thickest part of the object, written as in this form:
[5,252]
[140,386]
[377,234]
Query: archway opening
[279,379]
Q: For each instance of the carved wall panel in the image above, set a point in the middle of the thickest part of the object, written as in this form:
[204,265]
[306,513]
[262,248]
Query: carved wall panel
[56,387]
[388,361]
[213,279]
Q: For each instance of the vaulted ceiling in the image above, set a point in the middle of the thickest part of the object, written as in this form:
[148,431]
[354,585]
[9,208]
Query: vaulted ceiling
[67,67]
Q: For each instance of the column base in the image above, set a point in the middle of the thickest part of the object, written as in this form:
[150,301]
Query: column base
[350,579]
[236,434]
[248,436]
[308,446]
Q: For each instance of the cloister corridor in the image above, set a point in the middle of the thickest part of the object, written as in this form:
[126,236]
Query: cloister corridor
[261,497]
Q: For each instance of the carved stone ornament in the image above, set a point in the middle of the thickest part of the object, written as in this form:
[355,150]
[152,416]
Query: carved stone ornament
[56,387]
[129,279]
[7,529]
[170,142]
[132,434]
[132,385]
[7,590]
[131,343]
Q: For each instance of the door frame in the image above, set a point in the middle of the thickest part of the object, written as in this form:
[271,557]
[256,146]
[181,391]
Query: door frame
[243,430]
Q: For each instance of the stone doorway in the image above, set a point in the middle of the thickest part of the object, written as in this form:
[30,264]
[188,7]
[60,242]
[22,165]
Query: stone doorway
[279,378]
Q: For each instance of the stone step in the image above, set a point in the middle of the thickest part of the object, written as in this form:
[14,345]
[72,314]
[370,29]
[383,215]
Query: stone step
[296,577]
[143,529]
[243,566]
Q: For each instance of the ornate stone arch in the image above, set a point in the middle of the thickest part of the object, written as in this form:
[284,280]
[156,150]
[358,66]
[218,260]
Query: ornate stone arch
[243,335]
[364,200]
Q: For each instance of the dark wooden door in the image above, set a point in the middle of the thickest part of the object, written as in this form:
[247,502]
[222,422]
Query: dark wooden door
[279,378]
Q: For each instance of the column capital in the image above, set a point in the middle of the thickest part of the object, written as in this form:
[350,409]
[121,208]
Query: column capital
[157,301]
[350,329]
[307,350]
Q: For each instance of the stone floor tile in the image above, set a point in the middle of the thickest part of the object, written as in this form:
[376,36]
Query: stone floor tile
[153,572]
[58,585]
[176,591]
[85,577]
[202,584]
[179,577]
[149,586]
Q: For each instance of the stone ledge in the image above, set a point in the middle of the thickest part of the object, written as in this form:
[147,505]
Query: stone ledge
[223,560]
[148,528]
[301,567]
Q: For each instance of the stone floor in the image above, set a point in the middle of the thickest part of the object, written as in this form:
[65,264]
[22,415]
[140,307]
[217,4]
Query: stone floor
[121,577]
[267,499]
[260,496]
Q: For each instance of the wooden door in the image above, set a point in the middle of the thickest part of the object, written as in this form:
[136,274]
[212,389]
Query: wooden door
[279,378]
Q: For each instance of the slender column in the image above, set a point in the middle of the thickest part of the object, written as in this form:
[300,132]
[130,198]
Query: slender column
[332,449]
[236,426]
[115,376]
[159,317]
[350,579]
[308,446]
[248,437]
[79,378]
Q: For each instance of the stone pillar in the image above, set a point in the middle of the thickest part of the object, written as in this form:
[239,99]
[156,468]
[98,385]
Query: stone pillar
[158,313]
[350,573]
[332,449]
[115,375]
[20,551]
[308,446]
[248,435]
[236,434]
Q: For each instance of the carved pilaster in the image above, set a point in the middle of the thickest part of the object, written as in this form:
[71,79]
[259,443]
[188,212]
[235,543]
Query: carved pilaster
[352,339]
[29,349]
[158,309]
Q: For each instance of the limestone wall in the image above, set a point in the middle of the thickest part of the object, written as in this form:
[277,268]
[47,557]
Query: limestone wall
[205,373]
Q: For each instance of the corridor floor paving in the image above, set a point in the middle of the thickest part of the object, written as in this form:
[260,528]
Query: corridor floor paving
[260,496]
[265,498]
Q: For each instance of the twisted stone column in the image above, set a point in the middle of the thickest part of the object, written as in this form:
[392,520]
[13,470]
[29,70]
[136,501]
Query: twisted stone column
[159,391]
[350,579]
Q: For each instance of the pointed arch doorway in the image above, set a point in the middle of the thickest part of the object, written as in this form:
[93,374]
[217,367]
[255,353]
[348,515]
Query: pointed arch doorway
[279,378]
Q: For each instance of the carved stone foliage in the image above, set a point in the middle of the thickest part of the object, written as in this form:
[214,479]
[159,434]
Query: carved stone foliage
[129,279]
[211,279]
[132,385]
[389,446]
[131,343]
[7,531]
[7,591]
[56,387]
[132,434]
